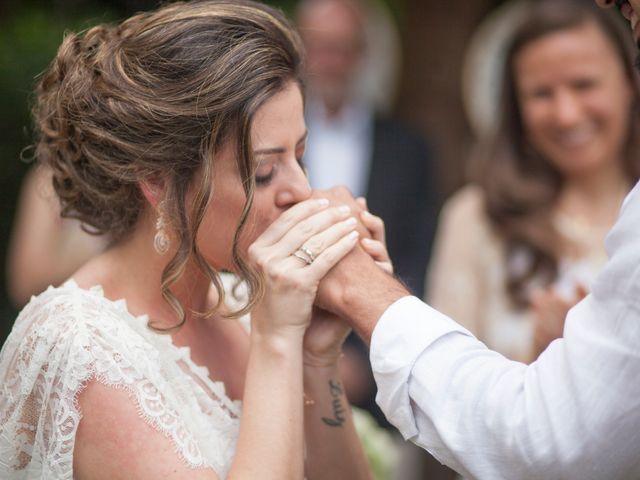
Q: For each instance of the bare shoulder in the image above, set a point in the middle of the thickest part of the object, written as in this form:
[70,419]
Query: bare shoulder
[114,442]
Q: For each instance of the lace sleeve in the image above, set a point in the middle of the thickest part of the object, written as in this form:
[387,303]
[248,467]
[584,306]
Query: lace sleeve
[60,342]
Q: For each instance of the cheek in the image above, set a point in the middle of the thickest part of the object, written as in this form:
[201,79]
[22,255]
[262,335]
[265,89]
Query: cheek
[215,236]
[261,216]
[622,105]
[612,112]
[616,95]
[534,118]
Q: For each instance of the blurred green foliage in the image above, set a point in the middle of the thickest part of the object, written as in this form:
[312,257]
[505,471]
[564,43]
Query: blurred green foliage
[29,37]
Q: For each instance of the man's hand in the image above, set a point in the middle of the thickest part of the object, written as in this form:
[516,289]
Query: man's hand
[342,196]
[357,289]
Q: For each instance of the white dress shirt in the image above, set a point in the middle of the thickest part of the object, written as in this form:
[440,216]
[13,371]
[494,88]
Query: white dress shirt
[572,414]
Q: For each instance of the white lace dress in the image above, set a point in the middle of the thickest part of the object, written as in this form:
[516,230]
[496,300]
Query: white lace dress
[68,336]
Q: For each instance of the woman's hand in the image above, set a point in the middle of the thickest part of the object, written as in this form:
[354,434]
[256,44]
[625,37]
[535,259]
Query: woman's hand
[327,332]
[549,312]
[322,345]
[293,254]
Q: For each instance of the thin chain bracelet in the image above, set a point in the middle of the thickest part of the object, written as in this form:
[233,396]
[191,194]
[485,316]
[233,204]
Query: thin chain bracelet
[308,401]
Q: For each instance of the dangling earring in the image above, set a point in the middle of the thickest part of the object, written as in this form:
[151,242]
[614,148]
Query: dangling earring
[161,240]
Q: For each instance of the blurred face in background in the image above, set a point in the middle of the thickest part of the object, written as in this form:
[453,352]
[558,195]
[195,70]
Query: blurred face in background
[332,31]
[574,99]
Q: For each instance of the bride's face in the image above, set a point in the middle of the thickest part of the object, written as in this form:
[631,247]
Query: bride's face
[278,140]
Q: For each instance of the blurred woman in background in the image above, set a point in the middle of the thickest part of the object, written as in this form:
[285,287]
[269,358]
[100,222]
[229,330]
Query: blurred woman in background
[517,248]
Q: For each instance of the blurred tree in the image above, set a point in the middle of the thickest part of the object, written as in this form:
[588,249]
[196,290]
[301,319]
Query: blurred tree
[434,39]
[30,32]
[29,35]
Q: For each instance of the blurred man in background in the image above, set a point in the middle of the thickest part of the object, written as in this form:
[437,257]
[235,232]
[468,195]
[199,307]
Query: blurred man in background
[352,60]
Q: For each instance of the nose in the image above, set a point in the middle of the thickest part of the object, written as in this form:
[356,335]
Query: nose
[566,109]
[296,189]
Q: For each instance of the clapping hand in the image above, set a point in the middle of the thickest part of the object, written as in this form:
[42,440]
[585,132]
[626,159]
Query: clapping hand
[549,312]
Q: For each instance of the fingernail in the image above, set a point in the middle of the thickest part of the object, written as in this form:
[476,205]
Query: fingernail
[353,235]
[344,209]
[366,214]
[323,202]
[368,241]
[351,221]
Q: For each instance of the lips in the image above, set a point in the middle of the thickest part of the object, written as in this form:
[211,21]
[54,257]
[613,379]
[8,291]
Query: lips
[575,138]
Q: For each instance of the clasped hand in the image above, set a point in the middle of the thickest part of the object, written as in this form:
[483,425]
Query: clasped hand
[296,252]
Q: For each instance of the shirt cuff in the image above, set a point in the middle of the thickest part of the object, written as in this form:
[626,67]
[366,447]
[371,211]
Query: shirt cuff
[405,330]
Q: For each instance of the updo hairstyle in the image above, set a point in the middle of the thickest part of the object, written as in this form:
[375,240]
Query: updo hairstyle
[156,97]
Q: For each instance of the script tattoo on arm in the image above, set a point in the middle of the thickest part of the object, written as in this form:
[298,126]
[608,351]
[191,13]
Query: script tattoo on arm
[336,391]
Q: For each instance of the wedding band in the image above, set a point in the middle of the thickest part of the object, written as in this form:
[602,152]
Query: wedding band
[308,253]
[302,255]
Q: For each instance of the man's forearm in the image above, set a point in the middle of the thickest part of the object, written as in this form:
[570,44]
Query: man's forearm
[360,291]
[365,303]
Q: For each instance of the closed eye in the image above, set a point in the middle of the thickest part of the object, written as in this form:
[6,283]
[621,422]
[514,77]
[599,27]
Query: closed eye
[540,93]
[264,180]
[265,172]
[584,84]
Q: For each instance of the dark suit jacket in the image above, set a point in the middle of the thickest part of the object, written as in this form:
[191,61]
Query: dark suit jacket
[401,191]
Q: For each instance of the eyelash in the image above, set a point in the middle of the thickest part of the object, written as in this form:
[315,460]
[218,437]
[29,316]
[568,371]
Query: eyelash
[264,180]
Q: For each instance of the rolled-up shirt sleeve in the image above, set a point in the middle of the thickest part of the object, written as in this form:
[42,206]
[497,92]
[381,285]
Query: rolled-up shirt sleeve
[574,413]
[393,356]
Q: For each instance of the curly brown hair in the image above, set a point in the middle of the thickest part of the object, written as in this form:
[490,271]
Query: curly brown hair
[520,186]
[156,97]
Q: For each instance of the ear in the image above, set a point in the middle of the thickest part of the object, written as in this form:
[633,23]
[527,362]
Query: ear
[153,191]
